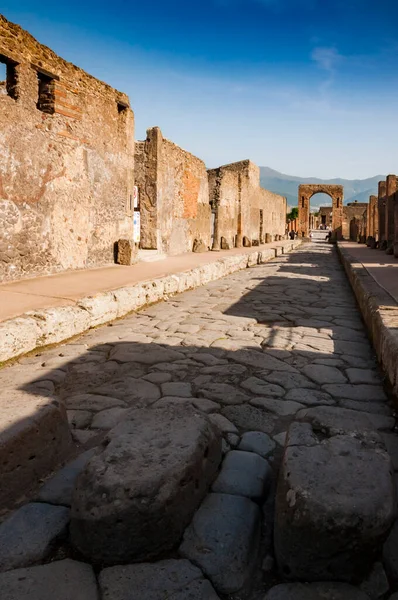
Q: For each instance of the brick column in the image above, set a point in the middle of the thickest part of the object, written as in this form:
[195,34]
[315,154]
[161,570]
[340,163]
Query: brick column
[381,203]
[391,188]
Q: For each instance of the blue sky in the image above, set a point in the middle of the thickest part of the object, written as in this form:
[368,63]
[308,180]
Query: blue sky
[307,87]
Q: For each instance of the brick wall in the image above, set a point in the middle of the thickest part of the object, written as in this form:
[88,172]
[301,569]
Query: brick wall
[67,167]
[174,195]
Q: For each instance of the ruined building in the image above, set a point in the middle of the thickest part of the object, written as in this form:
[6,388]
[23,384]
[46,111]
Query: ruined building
[72,179]
[244,213]
[382,217]
[67,166]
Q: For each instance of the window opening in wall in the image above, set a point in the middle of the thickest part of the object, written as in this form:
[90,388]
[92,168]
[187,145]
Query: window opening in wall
[8,77]
[338,202]
[46,91]
[302,201]
[121,107]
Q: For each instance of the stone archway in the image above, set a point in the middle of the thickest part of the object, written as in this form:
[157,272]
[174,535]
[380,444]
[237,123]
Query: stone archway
[305,193]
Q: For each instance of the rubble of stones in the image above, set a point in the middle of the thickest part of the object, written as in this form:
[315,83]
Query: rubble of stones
[235,442]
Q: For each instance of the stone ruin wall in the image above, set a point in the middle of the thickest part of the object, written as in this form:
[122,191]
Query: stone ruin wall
[67,168]
[237,197]
[354,214]
[174,195]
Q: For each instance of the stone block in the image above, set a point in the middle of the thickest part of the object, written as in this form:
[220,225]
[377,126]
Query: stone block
[59,489]
[244,474]
[223,540]
[176,579]
[315,591]
[61,580]
[28,536]
[246,242]
[199,246]
[34,438]
[335,503]
[126,252]
[134,499]
[258,442]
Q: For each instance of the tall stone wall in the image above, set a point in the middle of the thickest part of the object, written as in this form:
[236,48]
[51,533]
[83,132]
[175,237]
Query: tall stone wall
[242,208]
[174,195]
[354,214]
[67,162]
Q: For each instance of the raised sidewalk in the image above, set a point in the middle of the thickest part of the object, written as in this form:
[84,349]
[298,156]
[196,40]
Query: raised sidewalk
[374,278]
[46,310]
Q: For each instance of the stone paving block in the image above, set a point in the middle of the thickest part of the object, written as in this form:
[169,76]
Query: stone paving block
[223,393]
[205,405]
[59,489]
[261,360]
[336,419]
[176,579]
[363,376]
[322,374]
[290,381]
[249,418]
[141,353]
[255,385]
[92,402]
[244,474]
[177,388]
[258,442]
[315,591]
[373,393]
[343,524]
[61,580]
[30,533]
[223,540]
[310,397]
[131,390]
[135,497]
[106,419]
[283,408]
[223,424]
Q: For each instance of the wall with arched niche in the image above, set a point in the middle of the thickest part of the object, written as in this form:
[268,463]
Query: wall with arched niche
[305,193]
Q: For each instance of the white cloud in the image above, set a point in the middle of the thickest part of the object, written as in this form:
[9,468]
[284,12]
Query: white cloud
[326,58]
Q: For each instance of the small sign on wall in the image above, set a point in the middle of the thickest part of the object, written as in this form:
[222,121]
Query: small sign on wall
[136,226]
[135,197]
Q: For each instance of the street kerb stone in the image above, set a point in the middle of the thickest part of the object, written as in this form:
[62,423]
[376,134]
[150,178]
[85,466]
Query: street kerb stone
[61,580]
[28,536]
[337,419]
[244,474]
[176,579]
[34,439]
[135,497]
[335,504]
[223,540]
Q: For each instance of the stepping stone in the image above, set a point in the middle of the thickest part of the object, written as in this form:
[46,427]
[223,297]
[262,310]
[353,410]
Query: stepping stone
[223,540]
[154,470]
[258,442]
[59,489]
[334,504]
[322,374]
[28,536]
[244,474]
[61,580]
[315,591]
[176,579]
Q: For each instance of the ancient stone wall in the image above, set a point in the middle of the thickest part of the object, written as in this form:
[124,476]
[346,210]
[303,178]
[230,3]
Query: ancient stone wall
[66,173]
[242,208]
[353,220]
[173,194]
[391,188]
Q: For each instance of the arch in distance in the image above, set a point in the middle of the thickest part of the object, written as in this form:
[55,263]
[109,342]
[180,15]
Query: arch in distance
[305,193]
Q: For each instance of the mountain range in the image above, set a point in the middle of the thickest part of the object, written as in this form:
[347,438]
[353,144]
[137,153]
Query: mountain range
[287,185]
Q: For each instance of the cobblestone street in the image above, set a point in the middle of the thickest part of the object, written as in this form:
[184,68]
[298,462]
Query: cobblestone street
[255,351]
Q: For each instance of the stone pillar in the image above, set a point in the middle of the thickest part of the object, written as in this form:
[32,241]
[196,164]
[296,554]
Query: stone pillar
[396,224]
[239,235]
[304,213]
[375,217]
[381,203]
[216,235]
[337,218]
[391,188]
[149,188]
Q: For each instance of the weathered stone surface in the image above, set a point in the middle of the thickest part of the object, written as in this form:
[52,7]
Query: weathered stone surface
[93,402]
[63,580]
[322,374]
[363,376]
[263,388]
[131,391]
[134,499]
[205,405]
[142,353]
[290,381]
[258,442]
[223,393]
[343,525]
[127,252]
[223,424]
[356,392]
[199,246]
[106,419]
[283,408]
[390,553]
[176,579]
[249,418]
[309,397]
[244,474]
[59,489]
[315,591]
[177,388]
[337,420]
[376,585]
[28,425]
[261,360]
[29,534]
[223,540]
